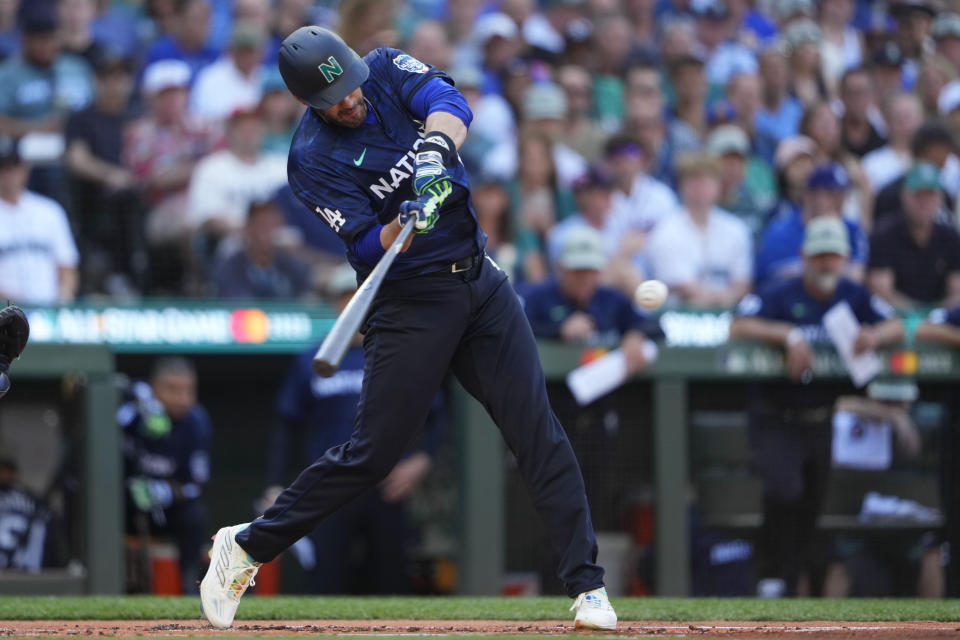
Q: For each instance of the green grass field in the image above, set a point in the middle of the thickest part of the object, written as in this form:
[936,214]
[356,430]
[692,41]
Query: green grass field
[464,608]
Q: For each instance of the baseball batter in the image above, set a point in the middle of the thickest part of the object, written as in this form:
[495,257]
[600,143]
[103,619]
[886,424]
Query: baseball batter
[377,147]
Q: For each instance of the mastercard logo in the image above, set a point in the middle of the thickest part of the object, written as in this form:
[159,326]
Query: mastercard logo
[249,326]
[903,362]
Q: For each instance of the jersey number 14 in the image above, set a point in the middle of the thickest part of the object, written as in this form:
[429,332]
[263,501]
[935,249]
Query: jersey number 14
[333,217]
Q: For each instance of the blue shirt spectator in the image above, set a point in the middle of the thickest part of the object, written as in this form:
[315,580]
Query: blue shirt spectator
[188,42]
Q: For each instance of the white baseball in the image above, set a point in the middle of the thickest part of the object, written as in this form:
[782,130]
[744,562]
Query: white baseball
[650,294]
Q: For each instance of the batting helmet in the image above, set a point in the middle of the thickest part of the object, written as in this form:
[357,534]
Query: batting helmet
[319,68]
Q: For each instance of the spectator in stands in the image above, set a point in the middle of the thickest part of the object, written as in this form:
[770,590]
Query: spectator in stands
[841,48]
[75,19]
[779,255]
[9,34]
[803,40]
[858,134]
[745,96]
[225,183]
[575,308]
[689,84]
[38,257]
[491,202]
[639,203]
[38,88]
[793,163]
[260,269]
[594,196]
[790,421]
[279,112]
[942,326]
[913,18]
[779,114]
[29,543]
[741,193]
[948,105]
[491,147]
[161,150]
[545,112]
[581,131]
[429,43]
[945,31]
[365,546]
[235,81]
[106,208]
[904,115]
[887,69]
[166,452]
[933,74]
[913,258]
[935,144]
[703,253]
[724,54]
[187,39]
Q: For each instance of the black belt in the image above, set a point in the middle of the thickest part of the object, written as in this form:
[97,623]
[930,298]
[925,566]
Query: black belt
[464,264]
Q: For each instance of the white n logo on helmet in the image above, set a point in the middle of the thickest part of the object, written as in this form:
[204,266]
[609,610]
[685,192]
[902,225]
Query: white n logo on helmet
[330,68]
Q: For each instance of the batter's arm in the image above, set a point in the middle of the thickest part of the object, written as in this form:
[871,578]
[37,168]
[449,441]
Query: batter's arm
[448,124]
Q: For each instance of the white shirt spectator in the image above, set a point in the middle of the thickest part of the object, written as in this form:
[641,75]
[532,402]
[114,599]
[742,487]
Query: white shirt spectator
[884,165]
[837,58]
[220,89]
[223,186]
[648,202]
[682,253]
[35,240]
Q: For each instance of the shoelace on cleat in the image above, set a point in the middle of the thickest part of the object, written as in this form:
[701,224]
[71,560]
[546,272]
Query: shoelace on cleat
[242,581]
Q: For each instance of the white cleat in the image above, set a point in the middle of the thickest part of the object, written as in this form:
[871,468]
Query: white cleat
[594,610]
[231,571]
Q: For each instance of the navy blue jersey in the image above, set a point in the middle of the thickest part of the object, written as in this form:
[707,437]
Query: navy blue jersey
[788,301]
[327,409]
[353,179]
[181,455]
[614,314]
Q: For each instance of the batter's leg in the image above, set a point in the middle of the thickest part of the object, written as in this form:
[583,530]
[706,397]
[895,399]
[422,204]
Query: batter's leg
[498,363]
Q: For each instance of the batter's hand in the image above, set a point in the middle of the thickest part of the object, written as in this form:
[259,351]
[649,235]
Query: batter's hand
[14,332]
[426,208]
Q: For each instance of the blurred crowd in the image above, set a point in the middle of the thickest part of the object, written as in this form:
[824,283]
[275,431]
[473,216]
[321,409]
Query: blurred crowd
[143,142]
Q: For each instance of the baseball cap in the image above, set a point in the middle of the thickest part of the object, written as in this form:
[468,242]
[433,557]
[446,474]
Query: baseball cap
[37,19]
[595,176]
[945,25]
[247,36]
[714,10]
[622,145]
[696,163]
[923,176]
[825,234]
[545,101]
[792,148]
[728,138]
[907,7]
[166,74]
[582,249]
[108,59]
[495,24]
[342,280]
[830,177]
[949,98]
[893,389]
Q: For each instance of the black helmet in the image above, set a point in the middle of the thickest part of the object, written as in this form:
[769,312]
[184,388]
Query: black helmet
[319,68]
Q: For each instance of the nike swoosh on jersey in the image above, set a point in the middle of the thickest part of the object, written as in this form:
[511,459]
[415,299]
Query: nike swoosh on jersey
[359,161]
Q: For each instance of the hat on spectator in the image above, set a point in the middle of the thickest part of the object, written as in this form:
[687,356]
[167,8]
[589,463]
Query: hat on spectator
[945,25]
[107,59]
[696,163]
[342,280]
[907,7]
[889,55]
[495,25]
[594,177]
[545,101]
[166,74]
[825,234]
[38,18]
[949,98]
[689,59]
[829,177]
[792,148]
[582,249]
[714,10]
[802,32]
[728,138]
[622,145]
[786,9]
[923,176]
[893,389]
[467,77]
[247,36]
[9,151]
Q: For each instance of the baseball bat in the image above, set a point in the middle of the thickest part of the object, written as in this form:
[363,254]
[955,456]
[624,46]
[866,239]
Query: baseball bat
[330,354]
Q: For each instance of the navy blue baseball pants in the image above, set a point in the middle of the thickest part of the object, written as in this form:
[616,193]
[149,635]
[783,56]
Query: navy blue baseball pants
[418,330]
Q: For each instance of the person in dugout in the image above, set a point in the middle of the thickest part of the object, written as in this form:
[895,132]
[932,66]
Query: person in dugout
[789,422]
[166,451]
[364,547]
